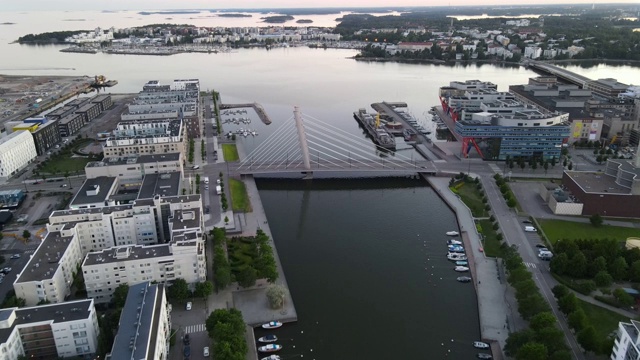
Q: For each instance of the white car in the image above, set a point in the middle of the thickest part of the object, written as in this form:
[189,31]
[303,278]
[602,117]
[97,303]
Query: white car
[205,352]
[189,305]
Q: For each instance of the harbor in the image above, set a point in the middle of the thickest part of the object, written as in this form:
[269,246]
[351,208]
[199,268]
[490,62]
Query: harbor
[380,135]
[257,107]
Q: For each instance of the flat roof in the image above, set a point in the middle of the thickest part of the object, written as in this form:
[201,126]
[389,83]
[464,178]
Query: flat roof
[596,182]
[87,107]
[67,119]
[55,313]
[166,184]
[102,183]
[139,322]
[100,98]
[185,219]
[627,165]
[44,261]
[135,159]
[128,252]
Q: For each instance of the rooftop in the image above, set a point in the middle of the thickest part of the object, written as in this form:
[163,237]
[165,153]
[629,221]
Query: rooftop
[131,252]
[93,191]
[44,262]
[52,313]
[596,182]
[166,184]
[185,219]
[86,107]
[134,159]
[100,98]
[142,310]
[627,165]
[67,119]
[4,139]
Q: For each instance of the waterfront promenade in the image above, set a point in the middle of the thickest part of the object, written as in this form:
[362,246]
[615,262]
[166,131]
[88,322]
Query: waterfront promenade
[496,315]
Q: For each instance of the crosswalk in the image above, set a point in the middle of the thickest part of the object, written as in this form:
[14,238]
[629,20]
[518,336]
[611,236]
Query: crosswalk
[194,328]
[530,265]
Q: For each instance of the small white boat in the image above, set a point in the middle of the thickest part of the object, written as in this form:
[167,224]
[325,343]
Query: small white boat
[268,339]
[272,325]
[480,345]
[270,348]
[461,269]
[456,257]
[452,233]
[271,357]
[454,242]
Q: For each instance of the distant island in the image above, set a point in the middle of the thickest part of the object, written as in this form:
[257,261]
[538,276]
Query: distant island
[234,15]
[55,37]
[169,12]
[277,19]
[7,23]
[304,21]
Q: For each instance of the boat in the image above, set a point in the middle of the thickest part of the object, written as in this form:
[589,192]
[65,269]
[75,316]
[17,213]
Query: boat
[456,257]
[484,356]
[455,248]
[268,339]
[464,279]
[271,357]
[409,135]
[462,263]
[270,348]
[461,269]
[379,134]
[480,345]
[454,242]
[272,325]
[452,233]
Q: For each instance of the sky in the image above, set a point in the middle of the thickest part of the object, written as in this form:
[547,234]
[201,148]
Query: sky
[29,5]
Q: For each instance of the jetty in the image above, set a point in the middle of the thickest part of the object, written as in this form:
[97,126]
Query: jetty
[257,107]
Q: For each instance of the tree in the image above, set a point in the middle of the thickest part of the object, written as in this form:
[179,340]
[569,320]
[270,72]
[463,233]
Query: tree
[578,265]
[546,166]
[552,338]
[203,289]
[516,340]
[588,339]
[596,220]
[179,290]
[570,167]
[603,279]
[568,303]
[559,264]
[599,159]
[542,320]
[276,295]
[597,265]
[578,319]
[247,277]
[120,295]
[511,202]
[26,234]
[634,271]
[532,351]
[619,268]
[623,297]
[559,291]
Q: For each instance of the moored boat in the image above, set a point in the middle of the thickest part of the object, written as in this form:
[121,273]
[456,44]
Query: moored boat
[454,242]
[461,269]
[480,345]
[270,348]
[462,263]
[271,357]
[452,233]
[455,248]
[268,339]
[272,325]
[456,257]
[464,279]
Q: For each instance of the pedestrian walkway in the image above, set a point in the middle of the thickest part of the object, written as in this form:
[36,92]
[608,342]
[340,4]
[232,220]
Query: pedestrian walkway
[194,328]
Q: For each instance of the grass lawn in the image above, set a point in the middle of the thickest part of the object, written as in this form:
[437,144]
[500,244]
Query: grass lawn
[560,229]
[230,152]
[239,198]
[60,164]
[603,320]
[469,195]
[491,245]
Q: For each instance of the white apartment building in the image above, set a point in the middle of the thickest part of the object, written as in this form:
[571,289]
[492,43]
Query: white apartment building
[627,345]
[74,233]
[69,329]
[532,52]
[17,150]
[146,137]
[184,258]
[148,311]
[133,168]
[49,273]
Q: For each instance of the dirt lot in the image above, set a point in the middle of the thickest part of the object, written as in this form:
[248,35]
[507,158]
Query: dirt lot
[18,94]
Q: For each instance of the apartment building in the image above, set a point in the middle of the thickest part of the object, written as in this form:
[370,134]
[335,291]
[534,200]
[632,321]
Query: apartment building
[17,150]
[626,346]
[70,124]
[89,111]
[44,131]
[49,273]
[104,101]
[69,329]
[133,168]
[184,259]
[145,327]
[146,137]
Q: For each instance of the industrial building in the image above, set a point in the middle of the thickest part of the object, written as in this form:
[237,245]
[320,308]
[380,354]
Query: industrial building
[50,331]
[148,337]
[17,150]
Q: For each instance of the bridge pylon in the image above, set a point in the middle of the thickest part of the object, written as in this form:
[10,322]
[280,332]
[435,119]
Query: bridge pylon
[302,138]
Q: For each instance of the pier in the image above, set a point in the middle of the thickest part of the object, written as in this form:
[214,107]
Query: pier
[257,107]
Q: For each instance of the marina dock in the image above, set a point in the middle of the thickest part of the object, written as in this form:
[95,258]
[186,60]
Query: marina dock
[378,134]
[257,107]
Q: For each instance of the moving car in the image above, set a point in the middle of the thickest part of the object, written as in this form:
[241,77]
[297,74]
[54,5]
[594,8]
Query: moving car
[15,256]
[195,167]
[189,305]
[205,352]
[6,270]
[186,339]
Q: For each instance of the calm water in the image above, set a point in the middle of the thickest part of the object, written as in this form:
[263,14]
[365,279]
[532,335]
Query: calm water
[365,260]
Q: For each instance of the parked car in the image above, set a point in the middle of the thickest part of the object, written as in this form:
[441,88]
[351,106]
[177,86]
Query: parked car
[64,185]
[526,221]
[15,256]
[195,167]
[6,270]
[530,229]
[206,187]
[541,245]
[187,351]
[206,210]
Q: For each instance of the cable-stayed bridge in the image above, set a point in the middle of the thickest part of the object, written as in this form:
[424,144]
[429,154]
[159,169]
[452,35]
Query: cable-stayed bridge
[306,144]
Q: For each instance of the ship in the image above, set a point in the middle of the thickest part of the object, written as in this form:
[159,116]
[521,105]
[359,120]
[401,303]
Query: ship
[101,81]
[380,135]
